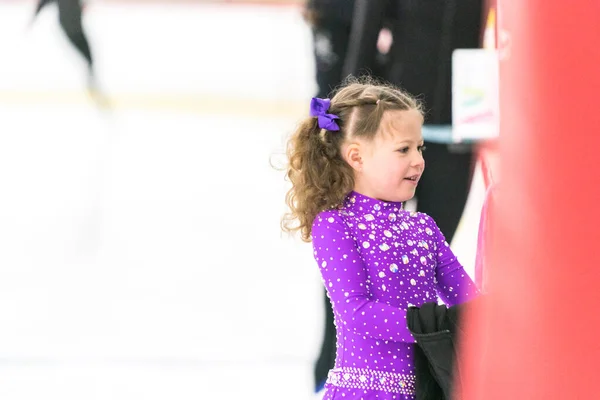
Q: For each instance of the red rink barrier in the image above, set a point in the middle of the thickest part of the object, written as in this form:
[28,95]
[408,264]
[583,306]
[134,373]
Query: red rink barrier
[538,334]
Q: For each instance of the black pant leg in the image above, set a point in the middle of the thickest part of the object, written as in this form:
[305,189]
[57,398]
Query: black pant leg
[40,5]
[444,187]
[330,41]
[70,21]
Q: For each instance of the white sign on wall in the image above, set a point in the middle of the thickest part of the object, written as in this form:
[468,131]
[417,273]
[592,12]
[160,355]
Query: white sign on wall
[475,94]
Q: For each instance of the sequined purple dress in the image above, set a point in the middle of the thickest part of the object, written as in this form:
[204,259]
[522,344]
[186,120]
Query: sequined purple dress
[376,260]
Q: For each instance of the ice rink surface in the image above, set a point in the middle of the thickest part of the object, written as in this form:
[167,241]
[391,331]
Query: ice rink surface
[140,250]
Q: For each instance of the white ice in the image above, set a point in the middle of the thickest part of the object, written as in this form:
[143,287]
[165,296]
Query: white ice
[140,250]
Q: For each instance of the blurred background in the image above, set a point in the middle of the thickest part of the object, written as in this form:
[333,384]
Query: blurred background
[140,249]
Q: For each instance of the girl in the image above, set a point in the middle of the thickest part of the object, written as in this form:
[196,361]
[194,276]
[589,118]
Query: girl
[352,164]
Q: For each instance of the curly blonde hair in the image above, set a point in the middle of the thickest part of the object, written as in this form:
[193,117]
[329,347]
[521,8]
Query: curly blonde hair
[320,176]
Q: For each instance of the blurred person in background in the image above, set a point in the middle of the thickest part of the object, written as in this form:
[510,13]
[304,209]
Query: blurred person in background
[410,44]
[70,15]
[424,35]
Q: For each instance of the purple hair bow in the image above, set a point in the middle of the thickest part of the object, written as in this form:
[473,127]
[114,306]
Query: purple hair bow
[319,108]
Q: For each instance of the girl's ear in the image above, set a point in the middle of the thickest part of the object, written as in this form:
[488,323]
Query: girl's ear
[352,155]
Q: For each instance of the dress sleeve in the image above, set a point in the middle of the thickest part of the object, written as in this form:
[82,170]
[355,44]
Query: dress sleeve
[453,284]
[346,280]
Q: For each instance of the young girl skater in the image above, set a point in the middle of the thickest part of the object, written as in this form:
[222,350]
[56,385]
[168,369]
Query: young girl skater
[352,164]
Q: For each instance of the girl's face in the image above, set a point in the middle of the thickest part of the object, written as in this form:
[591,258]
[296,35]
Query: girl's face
[389,167]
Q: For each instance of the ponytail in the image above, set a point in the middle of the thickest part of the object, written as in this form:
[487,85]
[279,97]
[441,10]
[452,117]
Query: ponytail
[319,175]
